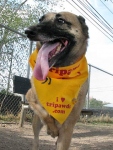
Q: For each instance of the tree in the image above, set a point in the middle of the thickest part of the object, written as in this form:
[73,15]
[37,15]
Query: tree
[94,103]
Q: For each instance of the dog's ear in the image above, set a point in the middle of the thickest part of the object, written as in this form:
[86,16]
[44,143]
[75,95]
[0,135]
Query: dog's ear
[84,26]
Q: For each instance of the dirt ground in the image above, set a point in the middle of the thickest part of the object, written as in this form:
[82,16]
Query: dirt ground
[85,137]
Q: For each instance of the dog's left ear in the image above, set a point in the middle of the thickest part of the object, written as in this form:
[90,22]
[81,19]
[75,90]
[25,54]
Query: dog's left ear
[84,26]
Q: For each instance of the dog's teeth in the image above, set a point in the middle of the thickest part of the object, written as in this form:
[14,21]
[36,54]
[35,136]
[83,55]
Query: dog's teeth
[58,48]
[52,54]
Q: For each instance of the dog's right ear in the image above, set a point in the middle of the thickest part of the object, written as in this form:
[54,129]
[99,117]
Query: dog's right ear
[81,19]
[84,26]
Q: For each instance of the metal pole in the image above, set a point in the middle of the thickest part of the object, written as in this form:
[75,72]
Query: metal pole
[89,86]
[9,75]
[100,69]
[30,51]
[23,111]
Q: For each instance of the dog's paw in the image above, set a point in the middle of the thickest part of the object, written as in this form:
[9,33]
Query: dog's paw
[35,147]
[54,133]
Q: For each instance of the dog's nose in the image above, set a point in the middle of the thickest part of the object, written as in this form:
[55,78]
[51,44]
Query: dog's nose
[29,32]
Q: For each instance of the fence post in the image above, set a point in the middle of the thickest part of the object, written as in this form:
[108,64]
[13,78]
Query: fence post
[23,111]
[30,51]
[9,75]
[87,106]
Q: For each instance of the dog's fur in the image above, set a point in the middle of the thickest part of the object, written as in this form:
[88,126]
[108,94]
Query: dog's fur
[54,26]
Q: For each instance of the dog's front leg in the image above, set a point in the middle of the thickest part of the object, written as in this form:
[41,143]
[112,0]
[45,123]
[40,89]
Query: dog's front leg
[42,113]
[46,118]
[66,130]
[64,138]
[37,125]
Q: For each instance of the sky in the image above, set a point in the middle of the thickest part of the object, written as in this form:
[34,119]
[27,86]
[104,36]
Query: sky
[100,49]
[100,53]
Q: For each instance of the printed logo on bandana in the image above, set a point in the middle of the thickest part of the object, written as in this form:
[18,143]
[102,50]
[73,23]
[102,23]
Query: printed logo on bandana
[48,80]
[59,108]
[63,72]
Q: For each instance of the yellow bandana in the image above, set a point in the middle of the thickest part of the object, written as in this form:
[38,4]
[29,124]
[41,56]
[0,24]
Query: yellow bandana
[58,93]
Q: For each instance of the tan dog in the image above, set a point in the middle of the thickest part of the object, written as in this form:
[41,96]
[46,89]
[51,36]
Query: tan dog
[63,37]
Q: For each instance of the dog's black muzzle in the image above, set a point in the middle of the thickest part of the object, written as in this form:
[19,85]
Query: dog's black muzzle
[30,33]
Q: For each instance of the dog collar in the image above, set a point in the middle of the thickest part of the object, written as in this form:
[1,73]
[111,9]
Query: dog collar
[58,93]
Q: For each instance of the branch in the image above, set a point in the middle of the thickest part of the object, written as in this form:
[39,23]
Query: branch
[20,6]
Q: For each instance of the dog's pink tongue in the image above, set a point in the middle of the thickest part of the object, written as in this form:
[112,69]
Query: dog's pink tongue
[42,66]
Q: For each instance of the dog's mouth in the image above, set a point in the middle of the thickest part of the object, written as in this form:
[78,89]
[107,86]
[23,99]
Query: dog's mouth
[47,57]
[59,47]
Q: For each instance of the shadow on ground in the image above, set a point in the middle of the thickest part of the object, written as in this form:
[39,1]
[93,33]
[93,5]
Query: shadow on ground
[84,138]
[18,140]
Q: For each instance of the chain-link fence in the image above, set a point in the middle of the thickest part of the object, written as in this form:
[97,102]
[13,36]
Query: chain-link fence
[100,85]
[100,94]
[14,61]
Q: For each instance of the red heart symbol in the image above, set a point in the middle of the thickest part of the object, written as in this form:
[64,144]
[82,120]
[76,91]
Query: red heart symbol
[62,99]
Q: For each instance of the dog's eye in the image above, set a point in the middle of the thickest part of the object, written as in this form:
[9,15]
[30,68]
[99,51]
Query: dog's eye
[60,20]
[41,19]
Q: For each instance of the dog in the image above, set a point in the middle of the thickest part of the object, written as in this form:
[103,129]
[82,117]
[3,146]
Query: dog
[62,40]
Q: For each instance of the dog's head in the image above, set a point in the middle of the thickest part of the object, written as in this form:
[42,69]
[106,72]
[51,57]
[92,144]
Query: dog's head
[63,37]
